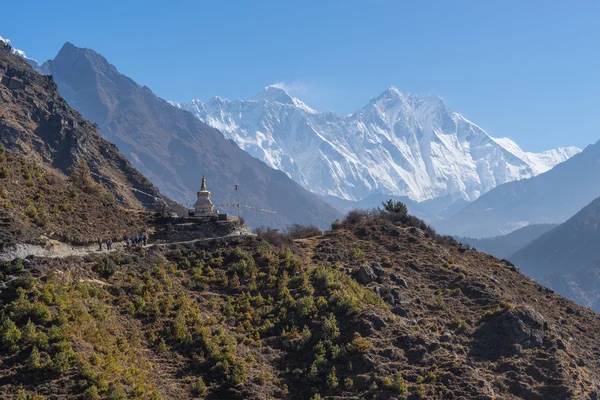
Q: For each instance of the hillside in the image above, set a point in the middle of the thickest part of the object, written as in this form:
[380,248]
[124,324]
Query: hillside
[399,144]
[37,123]
[567,258]
[246,319]
[37,203]
[571,244]
[506,245]
[174,149]
[552,197]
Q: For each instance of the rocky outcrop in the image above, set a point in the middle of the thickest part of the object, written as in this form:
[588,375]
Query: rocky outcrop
[506,332]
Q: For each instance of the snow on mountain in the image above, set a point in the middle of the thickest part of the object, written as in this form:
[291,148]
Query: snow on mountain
[40,68]
[399,144]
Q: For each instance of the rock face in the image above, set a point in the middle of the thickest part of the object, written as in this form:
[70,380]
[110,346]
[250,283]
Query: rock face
[35,121]
[366,275]
[174,149]
[42,140]
[506,333]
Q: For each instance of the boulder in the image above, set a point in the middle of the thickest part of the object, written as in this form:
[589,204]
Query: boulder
[378,269]
[504,334]
[366,275]
[399,280]
[417,232]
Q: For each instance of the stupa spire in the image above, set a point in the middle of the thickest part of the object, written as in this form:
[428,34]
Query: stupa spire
[203,185]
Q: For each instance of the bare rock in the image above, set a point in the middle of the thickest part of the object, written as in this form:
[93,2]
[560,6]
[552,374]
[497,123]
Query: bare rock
[366,275]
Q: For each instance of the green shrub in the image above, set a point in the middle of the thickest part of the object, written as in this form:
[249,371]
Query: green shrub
[398,384]
[357,254]
[3,172]
[9,335]
[332,379]
[106,267]
[33,361]
[199,387]
[396,207]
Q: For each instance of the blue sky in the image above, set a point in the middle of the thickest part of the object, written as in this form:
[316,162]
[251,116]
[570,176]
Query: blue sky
[528,70]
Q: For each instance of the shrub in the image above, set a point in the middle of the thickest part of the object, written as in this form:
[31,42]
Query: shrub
[460,324]
[199,387]
[34,361]
[398,384]
[3,172]
[31,210]
[9,335]
[357,254]
[361,344]
[105,267]
[395,207]
[301,231]
[273,236]
[332,379]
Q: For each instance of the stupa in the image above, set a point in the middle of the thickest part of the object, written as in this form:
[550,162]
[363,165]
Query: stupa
[204,207]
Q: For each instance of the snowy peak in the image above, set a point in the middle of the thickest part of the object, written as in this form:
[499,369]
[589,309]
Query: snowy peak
[398,144]
[42,69]
[277,94]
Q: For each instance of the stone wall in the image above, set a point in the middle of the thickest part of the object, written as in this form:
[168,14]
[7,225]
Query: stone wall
[169,230]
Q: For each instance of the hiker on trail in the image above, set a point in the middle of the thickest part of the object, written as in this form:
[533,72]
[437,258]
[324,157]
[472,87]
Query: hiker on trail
[140,239]
[127,241]
[109,244]
[145,239]
[99,244]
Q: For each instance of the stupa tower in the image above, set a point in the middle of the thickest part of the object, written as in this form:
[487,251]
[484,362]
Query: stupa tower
[204,207]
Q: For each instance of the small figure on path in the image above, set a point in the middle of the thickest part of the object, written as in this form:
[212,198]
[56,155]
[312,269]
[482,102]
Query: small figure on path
[109,244]
[145,239]
[99,244]
[127,241]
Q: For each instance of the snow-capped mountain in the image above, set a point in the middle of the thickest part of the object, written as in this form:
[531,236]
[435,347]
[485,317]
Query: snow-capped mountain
[42,69]
[398,144]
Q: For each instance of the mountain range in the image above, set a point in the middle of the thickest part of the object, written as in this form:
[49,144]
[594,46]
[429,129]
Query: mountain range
[174,149]
[566,257]
[505,246]
[398,144]
[377,307]
[551,197]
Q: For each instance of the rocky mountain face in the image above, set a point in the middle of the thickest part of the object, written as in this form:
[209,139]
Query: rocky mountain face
[174,149]
[374,308]
[36,122]
[58,178]
[552,197]
[505,246]
[567,257]
[398,144]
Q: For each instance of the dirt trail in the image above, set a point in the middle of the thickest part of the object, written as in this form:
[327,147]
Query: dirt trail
[56,249]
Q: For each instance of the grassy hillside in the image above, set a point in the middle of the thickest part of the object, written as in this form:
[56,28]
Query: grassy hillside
[269,318]
[38,202]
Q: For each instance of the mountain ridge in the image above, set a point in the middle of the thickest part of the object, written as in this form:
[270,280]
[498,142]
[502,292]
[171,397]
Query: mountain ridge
[551,197]
[174,149]
[401,144]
